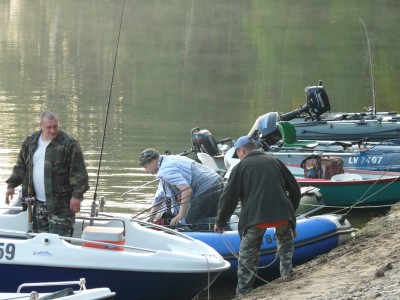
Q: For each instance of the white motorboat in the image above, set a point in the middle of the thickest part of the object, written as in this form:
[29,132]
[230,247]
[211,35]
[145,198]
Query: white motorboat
[117,252]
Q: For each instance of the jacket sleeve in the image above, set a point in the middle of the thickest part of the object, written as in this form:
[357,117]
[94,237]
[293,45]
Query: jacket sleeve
[78,176]
[19,169]
[229,198]
[292,186]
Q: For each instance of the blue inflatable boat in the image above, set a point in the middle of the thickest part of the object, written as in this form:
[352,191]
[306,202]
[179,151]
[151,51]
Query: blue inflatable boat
[315,236]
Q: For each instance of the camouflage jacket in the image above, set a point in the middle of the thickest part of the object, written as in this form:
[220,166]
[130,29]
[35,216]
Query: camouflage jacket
[64,170]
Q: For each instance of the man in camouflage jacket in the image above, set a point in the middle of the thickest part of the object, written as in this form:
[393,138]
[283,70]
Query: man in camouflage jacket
[65,177]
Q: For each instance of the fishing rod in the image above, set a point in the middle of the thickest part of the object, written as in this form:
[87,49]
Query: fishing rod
[161,209]
[124,195]
[93,208]
[371,67]
[151,215]
[182,201]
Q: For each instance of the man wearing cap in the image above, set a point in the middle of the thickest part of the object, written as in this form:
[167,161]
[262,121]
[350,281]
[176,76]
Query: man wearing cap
[269,195]
[195,186]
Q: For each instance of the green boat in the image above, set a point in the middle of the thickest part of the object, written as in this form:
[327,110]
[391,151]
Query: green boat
[361,188]
[314,121]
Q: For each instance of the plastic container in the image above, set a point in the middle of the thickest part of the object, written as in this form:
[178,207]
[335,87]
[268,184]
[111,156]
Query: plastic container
[111,235]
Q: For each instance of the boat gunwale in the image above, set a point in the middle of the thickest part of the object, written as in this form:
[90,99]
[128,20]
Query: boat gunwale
[376,181]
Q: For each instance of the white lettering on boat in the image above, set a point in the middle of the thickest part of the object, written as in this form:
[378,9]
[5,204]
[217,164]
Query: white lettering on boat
[363,160]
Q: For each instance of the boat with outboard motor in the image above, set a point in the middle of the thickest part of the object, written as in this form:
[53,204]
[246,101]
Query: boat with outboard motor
[51,290]
[315,235]
[346,188]
[278,139]
[111,251]
[356,186]
[314,121]
[362,188]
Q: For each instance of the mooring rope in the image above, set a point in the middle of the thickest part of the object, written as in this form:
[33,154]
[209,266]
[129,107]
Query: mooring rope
[232,250]
[176,194]
[361,199]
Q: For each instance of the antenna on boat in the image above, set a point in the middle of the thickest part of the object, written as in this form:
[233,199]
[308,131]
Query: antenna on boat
[93,207]
[371,67]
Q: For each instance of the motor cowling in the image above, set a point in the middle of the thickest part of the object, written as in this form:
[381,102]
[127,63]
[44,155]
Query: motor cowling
[203,141]
[266,128]
[317,99]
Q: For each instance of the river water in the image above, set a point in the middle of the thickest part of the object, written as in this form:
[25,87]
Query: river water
[177,65]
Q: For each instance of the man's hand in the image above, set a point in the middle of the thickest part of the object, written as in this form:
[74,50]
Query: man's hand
[186,195]
[9,195]
[218,229]
[75,205]
[176,220]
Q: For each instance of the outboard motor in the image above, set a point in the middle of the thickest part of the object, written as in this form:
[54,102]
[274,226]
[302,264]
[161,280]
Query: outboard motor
[203,141]
[317,104]
[266,129]
[317,99]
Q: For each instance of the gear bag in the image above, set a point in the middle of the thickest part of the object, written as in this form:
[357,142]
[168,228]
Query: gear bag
[323,167]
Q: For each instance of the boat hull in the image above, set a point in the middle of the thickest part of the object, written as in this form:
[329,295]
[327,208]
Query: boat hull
[373,160]
[377,158]
[180,267]
[349,130]
[315,236]
[128,284]
[383,191]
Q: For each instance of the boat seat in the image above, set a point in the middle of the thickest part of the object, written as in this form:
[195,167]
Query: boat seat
[346,177]
[289,137]
[207,160]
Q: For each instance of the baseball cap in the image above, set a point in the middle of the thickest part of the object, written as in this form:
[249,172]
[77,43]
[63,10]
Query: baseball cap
[147,156]
[244,140]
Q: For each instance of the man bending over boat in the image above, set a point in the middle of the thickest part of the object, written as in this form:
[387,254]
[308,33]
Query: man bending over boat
[195,187]
[269,196]
[52,171]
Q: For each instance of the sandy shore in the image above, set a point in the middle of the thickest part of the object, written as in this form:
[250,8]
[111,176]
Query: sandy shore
[366,267]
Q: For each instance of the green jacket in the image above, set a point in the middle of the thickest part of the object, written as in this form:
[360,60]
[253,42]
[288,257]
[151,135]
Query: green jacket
[64,169]
[267,190]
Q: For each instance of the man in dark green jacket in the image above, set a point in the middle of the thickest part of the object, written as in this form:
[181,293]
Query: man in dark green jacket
[52,171]
[269,195]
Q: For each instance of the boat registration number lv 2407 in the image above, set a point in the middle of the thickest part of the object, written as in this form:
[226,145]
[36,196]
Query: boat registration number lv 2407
[365,160]
[7,251]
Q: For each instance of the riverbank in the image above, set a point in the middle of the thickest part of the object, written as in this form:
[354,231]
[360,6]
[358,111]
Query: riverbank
[367,267]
